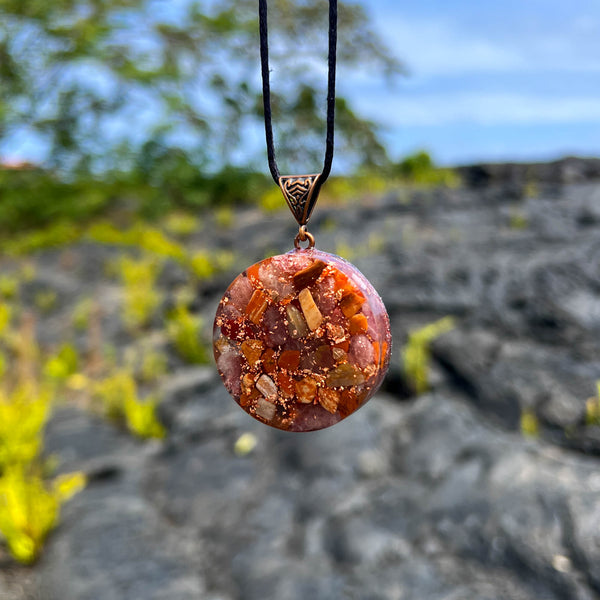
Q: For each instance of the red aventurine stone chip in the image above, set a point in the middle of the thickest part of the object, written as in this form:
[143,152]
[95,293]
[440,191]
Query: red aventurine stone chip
[301,340]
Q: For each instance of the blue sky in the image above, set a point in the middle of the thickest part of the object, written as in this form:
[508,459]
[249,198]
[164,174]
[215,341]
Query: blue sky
[488,80]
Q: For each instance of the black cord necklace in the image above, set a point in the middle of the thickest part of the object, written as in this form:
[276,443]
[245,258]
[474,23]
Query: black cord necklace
[301,340]
[300,191]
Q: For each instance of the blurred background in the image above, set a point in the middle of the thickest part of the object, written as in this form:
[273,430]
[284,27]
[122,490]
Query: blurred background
[134,188]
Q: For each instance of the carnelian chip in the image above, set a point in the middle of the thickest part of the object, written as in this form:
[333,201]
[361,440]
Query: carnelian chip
[376,350]
[269,361]
[287,385]
[257,306]
[252,350]
[359,324]
[252,273]
[350,401]
[247,398]
[345,345]
[384,347]
[341,281]
[289,360]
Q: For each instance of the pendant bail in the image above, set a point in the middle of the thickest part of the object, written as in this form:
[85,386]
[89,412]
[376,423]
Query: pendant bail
[299,193]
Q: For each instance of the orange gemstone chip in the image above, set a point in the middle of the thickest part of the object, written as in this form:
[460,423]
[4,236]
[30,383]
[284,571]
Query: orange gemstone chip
[351,303]
[257,306]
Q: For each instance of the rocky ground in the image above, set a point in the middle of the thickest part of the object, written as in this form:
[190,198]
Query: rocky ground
[431,497]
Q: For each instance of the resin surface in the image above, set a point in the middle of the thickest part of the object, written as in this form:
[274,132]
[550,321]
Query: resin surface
[301,340]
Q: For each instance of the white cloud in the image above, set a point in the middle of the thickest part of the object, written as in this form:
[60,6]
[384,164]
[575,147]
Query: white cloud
[485,109]
[443,47]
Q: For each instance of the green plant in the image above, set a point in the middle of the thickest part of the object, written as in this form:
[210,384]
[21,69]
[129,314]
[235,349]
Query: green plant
[82,313]
[224,217]
[272,201]
[9,287]
[141,418]
[112,392]
[28,271]
[45,300]
[24,411]
[141,235]
[5,317]
[53,235]
[205,264]
[531,189]
[374,245]
[518,221]
[245,444]
[181,224]
[153,366]
[30,508]
[530,425]
[416,354]
[141,298]
[185,332]
[119,399]
[62,365]
[420,169]
[344,250]
[592,412]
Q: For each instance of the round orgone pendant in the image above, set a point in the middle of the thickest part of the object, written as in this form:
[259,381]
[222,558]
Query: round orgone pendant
[302,340]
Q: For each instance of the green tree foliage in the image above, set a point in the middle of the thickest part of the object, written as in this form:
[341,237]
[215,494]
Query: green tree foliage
[167,89]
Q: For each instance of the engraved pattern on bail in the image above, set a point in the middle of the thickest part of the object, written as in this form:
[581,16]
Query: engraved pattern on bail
[298,192]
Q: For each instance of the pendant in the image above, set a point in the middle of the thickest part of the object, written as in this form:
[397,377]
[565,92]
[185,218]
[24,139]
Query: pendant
[302,340]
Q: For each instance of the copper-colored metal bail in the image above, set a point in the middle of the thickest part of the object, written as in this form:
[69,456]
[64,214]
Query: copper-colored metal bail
[298,191]
[303,235]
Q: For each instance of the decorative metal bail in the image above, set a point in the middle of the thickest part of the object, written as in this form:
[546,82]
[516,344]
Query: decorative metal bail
[299,193]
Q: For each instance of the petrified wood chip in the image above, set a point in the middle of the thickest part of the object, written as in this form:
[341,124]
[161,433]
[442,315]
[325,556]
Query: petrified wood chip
[266,386]
[252,350]
[345,374]
[257,306]
[222,344]
[329,399]
[351,303]
[311,311]
[306,277]
[296,323]
[306,390]
[265,409]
